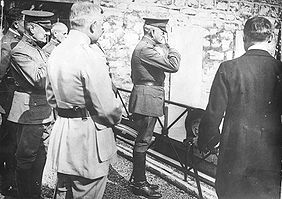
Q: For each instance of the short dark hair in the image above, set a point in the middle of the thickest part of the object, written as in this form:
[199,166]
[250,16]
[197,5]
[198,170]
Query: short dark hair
[257,29]
[13,14]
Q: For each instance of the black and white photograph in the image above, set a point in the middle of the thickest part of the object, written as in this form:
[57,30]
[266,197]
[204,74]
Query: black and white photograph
[135,99]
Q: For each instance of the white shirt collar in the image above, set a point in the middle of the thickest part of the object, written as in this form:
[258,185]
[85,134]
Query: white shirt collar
[258,46]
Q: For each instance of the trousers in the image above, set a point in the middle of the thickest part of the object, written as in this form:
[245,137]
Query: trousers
[77,187]
[7,155]
[32,143]
[145,126]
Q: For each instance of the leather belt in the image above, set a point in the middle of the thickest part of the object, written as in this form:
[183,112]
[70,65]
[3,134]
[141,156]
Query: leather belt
[36,92]
[75,112]
[149,83]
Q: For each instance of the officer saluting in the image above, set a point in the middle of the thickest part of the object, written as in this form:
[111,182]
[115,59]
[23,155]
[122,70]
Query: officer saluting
[30,113]
[151,58]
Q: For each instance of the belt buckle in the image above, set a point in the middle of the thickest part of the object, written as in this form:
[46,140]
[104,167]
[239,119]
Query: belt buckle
[82,112]
[76,108]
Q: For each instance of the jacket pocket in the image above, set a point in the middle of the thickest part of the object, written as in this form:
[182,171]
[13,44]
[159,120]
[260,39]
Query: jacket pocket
[105,143]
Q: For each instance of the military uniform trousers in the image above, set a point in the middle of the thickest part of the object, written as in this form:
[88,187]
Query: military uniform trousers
[72,186]
[145,126]
[32,142]
[7,156]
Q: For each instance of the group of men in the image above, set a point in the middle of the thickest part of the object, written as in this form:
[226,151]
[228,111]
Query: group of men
[70,75]
[26,116]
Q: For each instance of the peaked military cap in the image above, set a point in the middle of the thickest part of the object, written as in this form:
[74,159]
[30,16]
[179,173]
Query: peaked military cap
[39,17]
[157,22]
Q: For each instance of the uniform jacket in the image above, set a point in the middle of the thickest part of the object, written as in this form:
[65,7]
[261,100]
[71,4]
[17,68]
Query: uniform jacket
[78,76]
[149,62]
[247,91]
[49,47]
[8,41]
[29,104]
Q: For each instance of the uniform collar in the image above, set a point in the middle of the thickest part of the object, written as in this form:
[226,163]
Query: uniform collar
[13,33]
[80,37]
[148,39]
[27,39]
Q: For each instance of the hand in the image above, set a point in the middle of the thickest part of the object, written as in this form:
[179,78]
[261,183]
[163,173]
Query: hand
[162,49]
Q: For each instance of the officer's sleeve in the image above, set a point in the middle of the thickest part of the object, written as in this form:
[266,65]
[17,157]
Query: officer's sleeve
[5,58]
[162,57]
[98,86]
[209,132]
[34,73]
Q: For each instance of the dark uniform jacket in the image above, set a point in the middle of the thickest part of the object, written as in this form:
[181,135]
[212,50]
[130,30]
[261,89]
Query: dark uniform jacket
[248,90]
[149,63]
[29,70]
[8,41]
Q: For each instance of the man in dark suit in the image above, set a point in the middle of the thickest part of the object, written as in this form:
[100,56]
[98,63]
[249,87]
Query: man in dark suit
[7,86]
[151,58]
[30,113]
[247,94]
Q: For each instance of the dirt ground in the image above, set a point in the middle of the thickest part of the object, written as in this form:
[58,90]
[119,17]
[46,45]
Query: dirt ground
[118,186]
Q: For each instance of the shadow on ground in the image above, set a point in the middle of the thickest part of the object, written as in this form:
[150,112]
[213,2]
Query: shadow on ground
[117,188]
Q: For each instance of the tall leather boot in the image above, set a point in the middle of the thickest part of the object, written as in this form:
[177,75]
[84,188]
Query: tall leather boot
[140,185]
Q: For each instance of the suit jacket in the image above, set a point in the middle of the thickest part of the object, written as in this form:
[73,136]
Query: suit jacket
[29,70]
[247,91]
[149,63]
[78,76]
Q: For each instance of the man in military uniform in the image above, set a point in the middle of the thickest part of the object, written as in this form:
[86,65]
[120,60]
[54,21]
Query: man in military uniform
[151,58]
[82,142]
[30,113]
[59,32]
[14,19]
[247,93]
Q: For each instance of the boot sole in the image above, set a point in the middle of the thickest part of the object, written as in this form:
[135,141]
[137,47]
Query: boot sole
[140,193]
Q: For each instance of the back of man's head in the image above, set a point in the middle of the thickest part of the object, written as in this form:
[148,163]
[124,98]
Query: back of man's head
[13,15]
[257,29]
[82,14]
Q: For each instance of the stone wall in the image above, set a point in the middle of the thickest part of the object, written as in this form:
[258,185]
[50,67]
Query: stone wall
[221,22]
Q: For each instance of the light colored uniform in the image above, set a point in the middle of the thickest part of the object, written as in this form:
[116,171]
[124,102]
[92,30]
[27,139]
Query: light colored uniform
[78,76]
